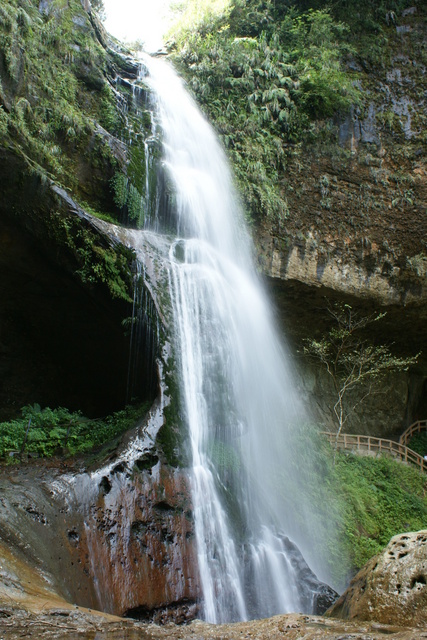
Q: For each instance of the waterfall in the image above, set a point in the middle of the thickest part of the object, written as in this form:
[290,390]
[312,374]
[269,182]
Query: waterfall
[240,407]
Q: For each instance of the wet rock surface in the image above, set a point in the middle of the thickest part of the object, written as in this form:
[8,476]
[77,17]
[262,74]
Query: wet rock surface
[30,607]
[39,530]
[120,540]
[139,538]
[35,604]
[356,203]
[392,587]
[316,595]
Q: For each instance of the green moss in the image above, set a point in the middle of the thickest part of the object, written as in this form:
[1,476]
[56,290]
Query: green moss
[169,440]
[119,183]
[173,435]
[128,198]
[136,168]
[109,117]
[53,90]
[97,214]
[97,264]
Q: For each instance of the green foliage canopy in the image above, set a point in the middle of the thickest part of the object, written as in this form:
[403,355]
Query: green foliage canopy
[264,79]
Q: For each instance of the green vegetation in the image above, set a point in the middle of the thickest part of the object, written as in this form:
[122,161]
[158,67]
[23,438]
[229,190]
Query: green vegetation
[44,57]
[47,432]
[173,435]
[127,196]
[97,263]
[382,498]
[271,76]
[361,503]
[265,79]
[59,108]
[418,443]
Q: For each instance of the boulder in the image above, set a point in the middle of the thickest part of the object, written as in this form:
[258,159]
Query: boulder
[392,587]
[316,596]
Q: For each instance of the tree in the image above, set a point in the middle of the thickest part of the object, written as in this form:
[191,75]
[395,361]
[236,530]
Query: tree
[351,361]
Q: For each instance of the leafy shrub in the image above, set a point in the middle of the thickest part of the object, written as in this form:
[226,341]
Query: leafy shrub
[46,432]
[119,183]
[263,80]
[317,44]
[127,197]
[134,204]
[418,443]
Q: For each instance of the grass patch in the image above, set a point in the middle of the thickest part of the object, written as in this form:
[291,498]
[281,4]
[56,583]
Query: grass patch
[358,504]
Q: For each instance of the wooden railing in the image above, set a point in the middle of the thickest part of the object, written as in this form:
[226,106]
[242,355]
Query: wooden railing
[374,446]
[417,427]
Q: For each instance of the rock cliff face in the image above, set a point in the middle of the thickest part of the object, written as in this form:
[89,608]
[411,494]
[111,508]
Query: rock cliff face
[357,200]
[67,287]
[128,549]
[140,540]
[61,341]
[120,539]
[392,587]
[356,228]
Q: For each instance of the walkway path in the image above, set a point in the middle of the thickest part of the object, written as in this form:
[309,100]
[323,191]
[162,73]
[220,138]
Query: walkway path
[373,446]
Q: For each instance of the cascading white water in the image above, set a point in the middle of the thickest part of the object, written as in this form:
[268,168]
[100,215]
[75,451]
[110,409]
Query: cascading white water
[240,407]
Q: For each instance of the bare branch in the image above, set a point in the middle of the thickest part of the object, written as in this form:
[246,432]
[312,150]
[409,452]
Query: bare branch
[350,360]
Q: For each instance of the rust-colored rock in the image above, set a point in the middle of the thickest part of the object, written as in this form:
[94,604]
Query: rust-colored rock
[120,540]
[32,606]
[140,543]
[392,587]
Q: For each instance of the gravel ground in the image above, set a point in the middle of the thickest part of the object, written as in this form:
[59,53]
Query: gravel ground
[78,624]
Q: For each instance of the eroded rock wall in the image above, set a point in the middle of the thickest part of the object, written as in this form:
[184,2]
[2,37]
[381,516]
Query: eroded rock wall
[120,541]
[357,196]
[392,587]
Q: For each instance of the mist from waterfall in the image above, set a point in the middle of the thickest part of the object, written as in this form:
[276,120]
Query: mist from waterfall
[240,406]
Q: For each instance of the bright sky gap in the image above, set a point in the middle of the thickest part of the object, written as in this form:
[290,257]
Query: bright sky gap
[145,20]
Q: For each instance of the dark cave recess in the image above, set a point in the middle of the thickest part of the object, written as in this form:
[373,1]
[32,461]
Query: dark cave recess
[61,344]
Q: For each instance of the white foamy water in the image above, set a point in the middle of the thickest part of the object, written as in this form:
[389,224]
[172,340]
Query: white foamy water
[239,402]
[240,410]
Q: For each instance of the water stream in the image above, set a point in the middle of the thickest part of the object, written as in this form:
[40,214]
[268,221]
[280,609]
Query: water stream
[238,408]
[239,403]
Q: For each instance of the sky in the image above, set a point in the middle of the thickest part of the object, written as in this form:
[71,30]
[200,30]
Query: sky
[132,20]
